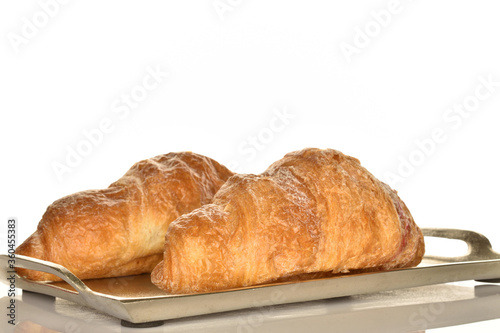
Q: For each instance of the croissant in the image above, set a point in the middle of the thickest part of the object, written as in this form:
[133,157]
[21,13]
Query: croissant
[312,213]
[120,230]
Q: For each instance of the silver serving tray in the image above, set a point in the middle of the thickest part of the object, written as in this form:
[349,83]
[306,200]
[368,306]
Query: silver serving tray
[135,299]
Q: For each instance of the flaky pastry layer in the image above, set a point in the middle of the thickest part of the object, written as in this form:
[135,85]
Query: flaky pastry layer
[120,230]
[313,213]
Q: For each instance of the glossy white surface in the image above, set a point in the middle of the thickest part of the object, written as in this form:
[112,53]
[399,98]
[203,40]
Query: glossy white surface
[458,307]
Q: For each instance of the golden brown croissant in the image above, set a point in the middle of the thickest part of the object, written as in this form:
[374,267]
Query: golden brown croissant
[312,212]
[120,230]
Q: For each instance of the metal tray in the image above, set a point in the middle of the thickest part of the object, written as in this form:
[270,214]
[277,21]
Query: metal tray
[135,300]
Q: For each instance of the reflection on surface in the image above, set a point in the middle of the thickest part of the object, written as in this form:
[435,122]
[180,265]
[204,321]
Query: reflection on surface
[407,310]
[31,327]
[135,286]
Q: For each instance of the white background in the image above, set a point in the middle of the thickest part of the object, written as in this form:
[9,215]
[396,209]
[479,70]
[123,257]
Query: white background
[230,70]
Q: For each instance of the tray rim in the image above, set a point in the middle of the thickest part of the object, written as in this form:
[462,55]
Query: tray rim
[481,263]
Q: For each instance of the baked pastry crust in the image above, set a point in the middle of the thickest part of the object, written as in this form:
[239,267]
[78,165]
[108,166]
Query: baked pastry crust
[120,230]
[313,213]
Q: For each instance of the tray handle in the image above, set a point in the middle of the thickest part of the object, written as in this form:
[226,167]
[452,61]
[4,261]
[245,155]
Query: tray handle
[479,247]
[55,269]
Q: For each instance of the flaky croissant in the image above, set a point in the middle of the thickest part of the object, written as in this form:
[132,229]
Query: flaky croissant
[120,230]
[312,212]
